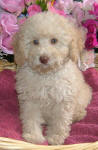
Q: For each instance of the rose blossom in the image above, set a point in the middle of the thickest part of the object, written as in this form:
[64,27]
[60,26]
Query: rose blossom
[91,28]
[8,27]
[8,22]
[6,43]
[95,9]
[91,41]
[88,22]
[33,9]
[64,5]
[88,4]
[91,25]
[13,6]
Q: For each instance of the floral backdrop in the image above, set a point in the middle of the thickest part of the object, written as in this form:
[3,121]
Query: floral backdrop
[13,13]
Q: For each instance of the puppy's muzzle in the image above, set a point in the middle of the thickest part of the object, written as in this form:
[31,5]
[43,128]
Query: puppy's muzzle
[44,59]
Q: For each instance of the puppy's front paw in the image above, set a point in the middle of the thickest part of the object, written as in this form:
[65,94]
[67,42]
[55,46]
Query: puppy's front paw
[32,138]
[55,139]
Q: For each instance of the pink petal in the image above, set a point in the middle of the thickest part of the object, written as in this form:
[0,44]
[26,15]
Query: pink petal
[8,23]
[54,10]
[12,5]
[4,49]
[33,9]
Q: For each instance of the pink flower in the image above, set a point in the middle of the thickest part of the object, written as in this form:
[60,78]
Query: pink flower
[2,10]
[88,4]
[95,11]
[6,43]
[90,25]
[91,41]
[88,22]
[8,22]
[33,9]
[54,10]
[13,6]
[8,27]
[64,5]
[88,16]
[91,29]
[59,4]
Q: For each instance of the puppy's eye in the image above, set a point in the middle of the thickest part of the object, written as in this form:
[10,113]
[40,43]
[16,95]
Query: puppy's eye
[36,42]
[54,41]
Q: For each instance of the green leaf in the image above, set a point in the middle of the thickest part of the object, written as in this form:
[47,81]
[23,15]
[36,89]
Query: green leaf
[24,11]
[42,4]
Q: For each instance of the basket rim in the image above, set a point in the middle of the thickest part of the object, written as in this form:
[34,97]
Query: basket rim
[11,144]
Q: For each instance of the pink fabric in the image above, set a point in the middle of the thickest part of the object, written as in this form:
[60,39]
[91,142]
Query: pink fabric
[10,126]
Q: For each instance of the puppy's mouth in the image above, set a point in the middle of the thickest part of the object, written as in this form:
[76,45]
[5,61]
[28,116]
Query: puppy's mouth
[45,68]
[46,65]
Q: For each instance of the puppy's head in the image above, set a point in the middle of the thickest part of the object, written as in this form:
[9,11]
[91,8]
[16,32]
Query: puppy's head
[46,41]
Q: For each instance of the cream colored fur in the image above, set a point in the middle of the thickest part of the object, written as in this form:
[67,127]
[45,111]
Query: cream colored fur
[55,93]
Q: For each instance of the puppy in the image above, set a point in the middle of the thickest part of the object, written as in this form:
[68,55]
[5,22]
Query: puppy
[51,88]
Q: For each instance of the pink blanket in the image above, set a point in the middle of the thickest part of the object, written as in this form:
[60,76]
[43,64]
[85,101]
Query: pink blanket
[10,126]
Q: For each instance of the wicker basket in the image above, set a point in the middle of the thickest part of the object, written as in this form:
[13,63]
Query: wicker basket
[10,144]
[6,65]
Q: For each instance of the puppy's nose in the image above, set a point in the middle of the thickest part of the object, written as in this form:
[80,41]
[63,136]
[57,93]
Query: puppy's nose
[44,59]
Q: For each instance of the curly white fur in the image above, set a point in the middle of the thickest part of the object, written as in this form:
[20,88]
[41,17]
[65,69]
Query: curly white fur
[55,93]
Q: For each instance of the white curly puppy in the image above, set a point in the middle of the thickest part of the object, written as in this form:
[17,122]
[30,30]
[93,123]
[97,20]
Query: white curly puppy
[50,87]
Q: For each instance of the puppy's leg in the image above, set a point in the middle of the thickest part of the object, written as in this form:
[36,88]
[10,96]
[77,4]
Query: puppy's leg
[59,124]
[31,118]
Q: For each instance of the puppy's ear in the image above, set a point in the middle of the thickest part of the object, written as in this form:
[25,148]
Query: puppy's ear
[77,43]
[19,55]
